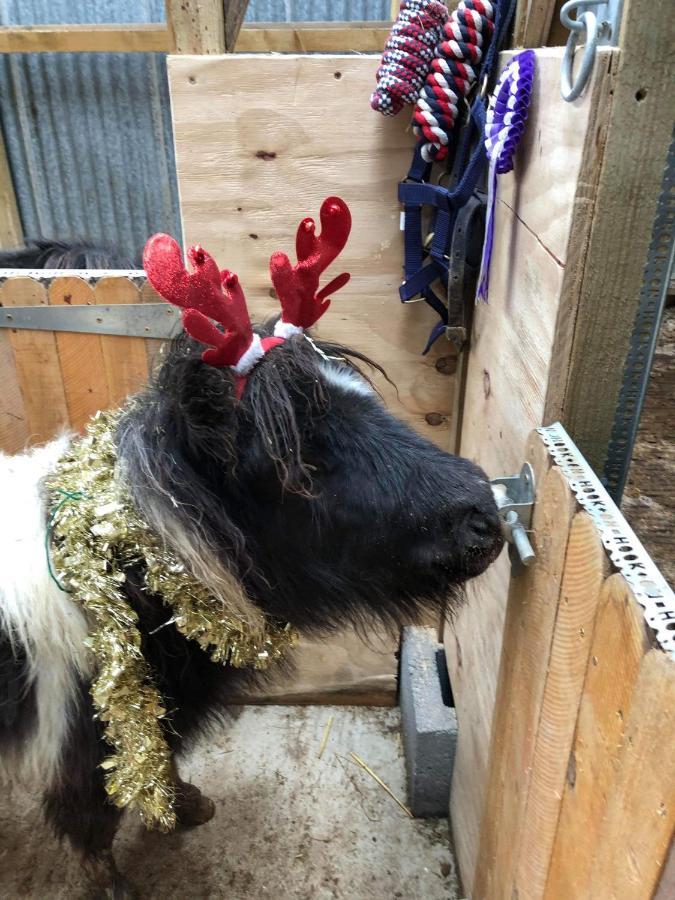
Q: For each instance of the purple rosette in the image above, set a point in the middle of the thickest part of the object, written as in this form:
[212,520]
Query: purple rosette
[504,125]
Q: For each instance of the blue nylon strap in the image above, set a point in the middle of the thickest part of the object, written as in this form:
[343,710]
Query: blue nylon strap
[416,191]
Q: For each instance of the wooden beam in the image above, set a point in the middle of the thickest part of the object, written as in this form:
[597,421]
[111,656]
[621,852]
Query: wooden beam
[196,26]
[11,232]
[600,306]
[234,11]
[533,22]
[273,37]
[328,37]
[133,38]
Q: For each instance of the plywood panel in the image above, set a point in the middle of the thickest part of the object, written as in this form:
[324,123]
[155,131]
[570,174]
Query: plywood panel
[37,370]
[252,162]
[541,205]
[80,357]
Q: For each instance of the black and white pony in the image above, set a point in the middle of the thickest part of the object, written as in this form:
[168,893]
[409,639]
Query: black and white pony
[324,507]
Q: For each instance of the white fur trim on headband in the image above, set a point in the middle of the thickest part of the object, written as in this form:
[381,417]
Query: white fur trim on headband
[286,329]
[252,356]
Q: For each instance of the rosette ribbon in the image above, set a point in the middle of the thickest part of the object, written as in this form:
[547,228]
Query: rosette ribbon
[504,125]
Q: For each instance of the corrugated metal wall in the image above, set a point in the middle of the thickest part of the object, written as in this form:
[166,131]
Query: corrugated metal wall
[89,135]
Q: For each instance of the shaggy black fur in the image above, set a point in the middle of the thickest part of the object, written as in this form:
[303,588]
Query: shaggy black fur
[48,254]
[18,711]
[328,509]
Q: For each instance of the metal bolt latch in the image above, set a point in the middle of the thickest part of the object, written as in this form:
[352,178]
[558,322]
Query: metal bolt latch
[515,504]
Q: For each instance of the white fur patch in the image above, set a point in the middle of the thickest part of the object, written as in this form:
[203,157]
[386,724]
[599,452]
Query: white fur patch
[347,380]
[34,612]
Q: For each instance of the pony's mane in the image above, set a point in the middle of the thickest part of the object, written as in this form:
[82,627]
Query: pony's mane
[43,253]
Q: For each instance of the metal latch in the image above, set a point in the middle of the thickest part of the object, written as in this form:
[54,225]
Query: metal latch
[515,505]
[148,320]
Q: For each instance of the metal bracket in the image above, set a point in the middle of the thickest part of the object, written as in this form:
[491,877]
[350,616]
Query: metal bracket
[598,25]
[515,505]
[148,320]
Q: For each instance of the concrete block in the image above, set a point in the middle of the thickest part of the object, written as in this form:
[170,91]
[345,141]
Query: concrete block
[429,725]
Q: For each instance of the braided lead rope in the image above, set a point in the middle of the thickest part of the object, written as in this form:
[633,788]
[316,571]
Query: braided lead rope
[408,54]
[453,72]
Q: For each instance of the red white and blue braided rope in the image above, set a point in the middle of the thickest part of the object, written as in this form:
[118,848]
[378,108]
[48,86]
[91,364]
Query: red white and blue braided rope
[454,70]
[408,54]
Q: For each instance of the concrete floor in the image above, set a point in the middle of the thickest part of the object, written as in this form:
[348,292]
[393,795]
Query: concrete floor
[287,824]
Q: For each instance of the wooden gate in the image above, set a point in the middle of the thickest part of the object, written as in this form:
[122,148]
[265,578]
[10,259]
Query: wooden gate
[580,795]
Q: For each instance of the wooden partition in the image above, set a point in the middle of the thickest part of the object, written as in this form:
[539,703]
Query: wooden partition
[580,799]
[56,381]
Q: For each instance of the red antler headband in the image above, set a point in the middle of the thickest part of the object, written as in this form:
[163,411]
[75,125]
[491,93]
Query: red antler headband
[207,295]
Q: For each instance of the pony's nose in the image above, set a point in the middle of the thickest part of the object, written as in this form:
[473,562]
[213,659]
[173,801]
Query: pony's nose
[482,530]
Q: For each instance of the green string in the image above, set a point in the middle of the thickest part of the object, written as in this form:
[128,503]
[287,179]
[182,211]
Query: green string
[67,495]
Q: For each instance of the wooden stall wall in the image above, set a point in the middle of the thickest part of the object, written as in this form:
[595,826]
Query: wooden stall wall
[260,141]
[543,212]
[580,799]
[54,382]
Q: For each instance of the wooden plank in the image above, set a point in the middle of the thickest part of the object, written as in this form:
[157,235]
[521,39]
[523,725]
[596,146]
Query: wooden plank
[13,420]
[11,232]
[512,343]
[131,38]
[125,358]
[196,26]
[154,348]
[620,642]
[80,357]
[637,830]
[528,633]
[582,579]
[244,191]
[37,371]
[310,37]
[234,11]
[272,37]
[648,501]
[638,135]
[340,670]
[532,23]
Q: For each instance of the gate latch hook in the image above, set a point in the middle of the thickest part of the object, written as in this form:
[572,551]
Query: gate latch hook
[515,503]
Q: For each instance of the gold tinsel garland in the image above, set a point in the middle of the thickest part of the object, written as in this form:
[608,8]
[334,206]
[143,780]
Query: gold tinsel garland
[95,534]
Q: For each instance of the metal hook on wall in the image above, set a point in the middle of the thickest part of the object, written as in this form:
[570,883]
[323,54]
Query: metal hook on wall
[597,24]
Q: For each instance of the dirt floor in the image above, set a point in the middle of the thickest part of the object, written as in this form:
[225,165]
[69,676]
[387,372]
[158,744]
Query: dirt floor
[287,824]
[649,498]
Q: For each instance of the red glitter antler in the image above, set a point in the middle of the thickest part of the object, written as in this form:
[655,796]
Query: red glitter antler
[297,287]
[204,294]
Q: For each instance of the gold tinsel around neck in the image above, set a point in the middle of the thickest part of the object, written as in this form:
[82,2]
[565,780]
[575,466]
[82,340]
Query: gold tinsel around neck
[94,535]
